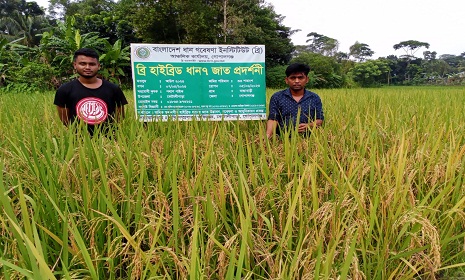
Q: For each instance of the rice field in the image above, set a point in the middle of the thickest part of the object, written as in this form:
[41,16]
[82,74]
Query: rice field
[377,193]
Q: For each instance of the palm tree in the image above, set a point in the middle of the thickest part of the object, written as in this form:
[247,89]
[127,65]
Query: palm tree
[22,29]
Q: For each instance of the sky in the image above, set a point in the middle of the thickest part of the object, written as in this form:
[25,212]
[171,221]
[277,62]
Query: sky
[378,23]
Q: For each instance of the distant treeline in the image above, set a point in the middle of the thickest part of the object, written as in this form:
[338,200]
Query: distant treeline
[36,45]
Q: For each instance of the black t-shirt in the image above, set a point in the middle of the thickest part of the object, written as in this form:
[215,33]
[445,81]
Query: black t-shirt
[92,106]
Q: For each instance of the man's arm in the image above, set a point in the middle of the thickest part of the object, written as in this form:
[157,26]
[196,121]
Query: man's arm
[271,127]
[119,113]
[63,113]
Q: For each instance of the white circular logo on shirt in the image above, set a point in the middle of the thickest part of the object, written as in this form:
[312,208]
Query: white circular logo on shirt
[92,110]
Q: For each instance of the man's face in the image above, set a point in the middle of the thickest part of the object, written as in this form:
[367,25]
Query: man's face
[86,67]
[296,81]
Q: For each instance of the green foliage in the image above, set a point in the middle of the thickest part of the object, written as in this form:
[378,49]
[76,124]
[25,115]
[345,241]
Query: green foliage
[265,27]
[322,44]
[115,62]
[325,71]
[360,51]
[3,60]
[416,75]
[26,8]
[23,29]
[36,75]
[107,25]
[67,38]
[59,46]
[12,57]
[160,22]
[410,47]
[370,73]
[455,61]
[125,32]
[21,88]
[47,66]
[213,22]
[275,77]
[429,55]
[61,9]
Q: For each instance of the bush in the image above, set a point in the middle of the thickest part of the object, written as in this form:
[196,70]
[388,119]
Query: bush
[39,76]
[275,77]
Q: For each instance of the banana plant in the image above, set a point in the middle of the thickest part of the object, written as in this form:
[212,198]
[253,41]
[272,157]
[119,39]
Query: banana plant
[59,45]
[115,61]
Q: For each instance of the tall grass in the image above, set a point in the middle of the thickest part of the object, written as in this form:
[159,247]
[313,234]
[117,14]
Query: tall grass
[377,193]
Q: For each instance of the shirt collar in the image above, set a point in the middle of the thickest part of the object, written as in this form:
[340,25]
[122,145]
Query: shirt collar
[288,93]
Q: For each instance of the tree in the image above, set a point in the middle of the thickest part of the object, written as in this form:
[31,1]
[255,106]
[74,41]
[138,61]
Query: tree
[436,70]
[58,46]
[453,60]
[341,56]
[58,8]
[410,47]
[298,49]
[360,51]
[22,28]
[21,21]
[115,61]
[7,7]
[4,59]
[370,73]
[61,9]
[213,22]
[108,25]
[325,71]
[266,28]
[427,55]
[162,21]
[322,44]
[275,76]
[461,66]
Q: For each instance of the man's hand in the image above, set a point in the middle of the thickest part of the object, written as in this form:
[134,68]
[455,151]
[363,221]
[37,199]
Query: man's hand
[270,128]
[303,127]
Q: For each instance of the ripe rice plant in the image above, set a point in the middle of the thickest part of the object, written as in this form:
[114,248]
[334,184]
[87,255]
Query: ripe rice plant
[377,193]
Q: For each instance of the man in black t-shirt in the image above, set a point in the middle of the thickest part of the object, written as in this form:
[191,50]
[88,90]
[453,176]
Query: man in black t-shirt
[89,98]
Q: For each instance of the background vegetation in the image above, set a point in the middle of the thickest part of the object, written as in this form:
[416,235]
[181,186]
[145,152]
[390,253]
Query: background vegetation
[36,47]
[377,193]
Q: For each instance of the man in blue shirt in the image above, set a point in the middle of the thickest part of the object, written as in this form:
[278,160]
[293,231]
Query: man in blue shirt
[294,106]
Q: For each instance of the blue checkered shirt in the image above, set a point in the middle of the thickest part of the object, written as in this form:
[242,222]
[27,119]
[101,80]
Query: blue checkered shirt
[284,109]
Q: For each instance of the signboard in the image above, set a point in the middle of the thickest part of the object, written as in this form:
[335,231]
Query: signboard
[207,82]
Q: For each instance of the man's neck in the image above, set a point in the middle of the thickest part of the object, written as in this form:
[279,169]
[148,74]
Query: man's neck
[92,82]
[298,93]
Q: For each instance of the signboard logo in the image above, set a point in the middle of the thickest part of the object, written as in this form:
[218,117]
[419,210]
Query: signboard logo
[143,52]
[92,110]
[257,50]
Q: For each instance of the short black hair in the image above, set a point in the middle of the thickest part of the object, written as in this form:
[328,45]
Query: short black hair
[86,52]
[297,68]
